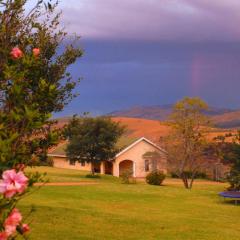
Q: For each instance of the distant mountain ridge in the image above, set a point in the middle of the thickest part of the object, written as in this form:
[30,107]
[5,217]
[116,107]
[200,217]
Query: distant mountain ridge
[222,117]
[147,112]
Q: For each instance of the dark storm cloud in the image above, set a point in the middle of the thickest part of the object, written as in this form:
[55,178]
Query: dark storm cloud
[188,20]
[151,52]
[117,75]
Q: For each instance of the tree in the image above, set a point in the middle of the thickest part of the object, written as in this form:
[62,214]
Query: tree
[92,140]
[34,81]
[234,176]
[231,156]
[228,149]
[186,143]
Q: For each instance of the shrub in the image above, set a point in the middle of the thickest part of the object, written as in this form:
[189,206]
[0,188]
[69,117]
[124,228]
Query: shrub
[38,162]
[14,185]
[155,177]
[92,176]
[127,177]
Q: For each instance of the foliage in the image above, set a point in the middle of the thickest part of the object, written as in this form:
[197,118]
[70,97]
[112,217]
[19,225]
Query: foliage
[14,185]
[234,180]
[234,175]
[227,147]
[189,174]
[228,150]
[187,141]
[127,177]
[93,176]
[92,140]
[155,177]
[34,81]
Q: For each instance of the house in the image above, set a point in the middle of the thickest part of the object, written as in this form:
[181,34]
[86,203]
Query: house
[130,159]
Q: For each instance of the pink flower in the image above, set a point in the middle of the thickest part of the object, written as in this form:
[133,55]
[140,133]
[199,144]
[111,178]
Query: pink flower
[14,218]
[10,229]
[2,187]
[3,236]
[25,228]
[13,183]
[12,221]
[36,52]
[16,53]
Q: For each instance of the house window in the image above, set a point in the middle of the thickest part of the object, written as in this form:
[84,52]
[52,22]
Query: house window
[71,162]
[146,165]
[82,164]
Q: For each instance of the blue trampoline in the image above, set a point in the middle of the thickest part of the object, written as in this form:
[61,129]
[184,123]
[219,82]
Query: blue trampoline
[235,195]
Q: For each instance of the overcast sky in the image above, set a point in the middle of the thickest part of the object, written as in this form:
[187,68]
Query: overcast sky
[153,52]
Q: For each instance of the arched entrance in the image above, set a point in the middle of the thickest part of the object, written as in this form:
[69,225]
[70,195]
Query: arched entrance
[126,166]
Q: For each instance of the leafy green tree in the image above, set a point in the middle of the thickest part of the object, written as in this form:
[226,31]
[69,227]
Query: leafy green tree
[228,149]
[34,81]
[232,156]
[187,141]
[92,140]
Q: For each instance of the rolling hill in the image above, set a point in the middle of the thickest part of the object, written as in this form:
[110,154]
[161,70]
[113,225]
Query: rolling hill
[136,128]
[227,120]
[221,117]
[154,129]
[151,129]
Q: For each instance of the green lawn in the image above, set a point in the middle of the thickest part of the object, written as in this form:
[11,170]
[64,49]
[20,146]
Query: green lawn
[111,210]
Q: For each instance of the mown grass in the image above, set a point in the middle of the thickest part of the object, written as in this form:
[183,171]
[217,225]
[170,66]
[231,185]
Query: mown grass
[111,210]
[67,175]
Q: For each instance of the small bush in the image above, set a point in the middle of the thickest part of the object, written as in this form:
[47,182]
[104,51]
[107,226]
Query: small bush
[45,162]
[174,175]
[155,177]
[92,176]
[127,177]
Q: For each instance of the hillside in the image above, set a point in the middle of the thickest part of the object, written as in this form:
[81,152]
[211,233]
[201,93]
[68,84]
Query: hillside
[154,129]
[150,112]
[221,117]
[136,128]
[227,120]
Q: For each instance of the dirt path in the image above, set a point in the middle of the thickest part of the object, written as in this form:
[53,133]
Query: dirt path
[66,184]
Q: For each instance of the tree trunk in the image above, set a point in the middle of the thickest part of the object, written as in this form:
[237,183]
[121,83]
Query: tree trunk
[92,169]
[185,180]
[192,180]
[191,183]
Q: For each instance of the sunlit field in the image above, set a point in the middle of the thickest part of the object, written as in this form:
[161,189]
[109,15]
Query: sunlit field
[111,210]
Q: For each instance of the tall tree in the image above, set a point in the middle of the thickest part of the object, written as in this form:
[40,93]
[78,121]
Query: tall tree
[92,140]
[34,81]
[186,143]
[228,150]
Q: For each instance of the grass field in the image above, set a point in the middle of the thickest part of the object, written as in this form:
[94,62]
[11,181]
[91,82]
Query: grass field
[111,210]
